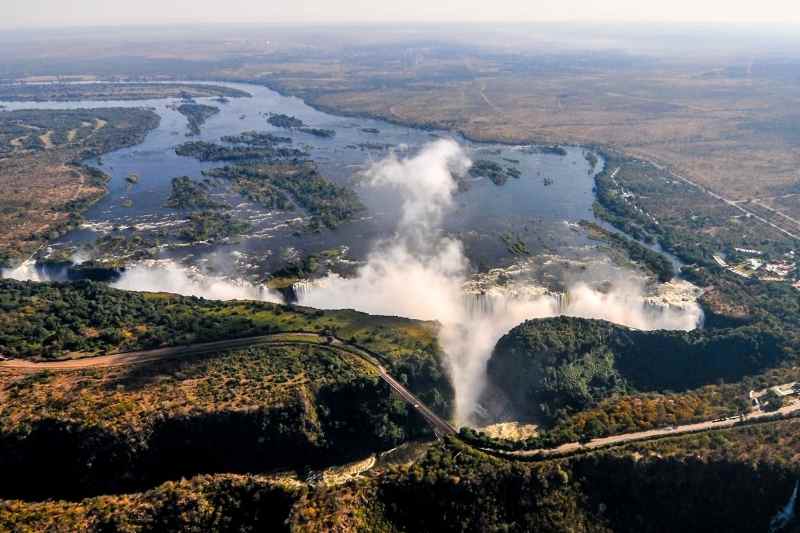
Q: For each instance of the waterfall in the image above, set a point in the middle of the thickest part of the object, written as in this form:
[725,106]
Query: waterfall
[785,515]
[562,301]
[31,270]
[296,291]
[479,304]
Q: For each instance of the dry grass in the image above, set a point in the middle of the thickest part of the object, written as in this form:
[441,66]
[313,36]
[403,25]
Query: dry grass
[42,191]
[36,188]
[129,397]
[705,128]
[735,135]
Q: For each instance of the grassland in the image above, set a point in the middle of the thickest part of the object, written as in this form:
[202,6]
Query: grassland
[651,203]
[45,188]
[723,132]
[728,130]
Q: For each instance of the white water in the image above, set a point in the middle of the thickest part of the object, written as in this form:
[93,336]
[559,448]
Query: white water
[787,514]
[420,273]
[168,276]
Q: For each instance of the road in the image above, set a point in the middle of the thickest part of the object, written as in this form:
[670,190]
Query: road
[626,438]
[731,203]
[440,426]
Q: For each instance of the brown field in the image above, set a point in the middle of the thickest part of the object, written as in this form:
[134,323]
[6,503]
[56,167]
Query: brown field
[731,130]
[704,128]
[726,120]
[44,190]
[30,207]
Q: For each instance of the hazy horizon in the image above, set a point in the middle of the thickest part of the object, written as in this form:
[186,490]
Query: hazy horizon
[31,14]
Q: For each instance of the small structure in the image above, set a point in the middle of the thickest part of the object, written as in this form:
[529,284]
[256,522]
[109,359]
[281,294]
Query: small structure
[749,251]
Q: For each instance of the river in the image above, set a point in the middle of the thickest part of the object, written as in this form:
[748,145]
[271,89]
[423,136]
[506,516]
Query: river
[551,190]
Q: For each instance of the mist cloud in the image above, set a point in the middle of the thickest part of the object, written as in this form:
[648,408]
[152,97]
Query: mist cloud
[166,276]
[420,273]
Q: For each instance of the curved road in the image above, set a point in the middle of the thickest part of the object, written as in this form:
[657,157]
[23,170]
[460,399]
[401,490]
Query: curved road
[440,426]
[624,438]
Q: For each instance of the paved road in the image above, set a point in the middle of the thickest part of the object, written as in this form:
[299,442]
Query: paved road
[731,203]
[146,356]
[440,426]
[644,435]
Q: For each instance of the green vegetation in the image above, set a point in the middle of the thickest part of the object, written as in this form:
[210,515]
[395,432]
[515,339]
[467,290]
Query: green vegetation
[255,138]
[94,131]
[205,151]
[329,204]
[319,132]
[732,301]
[734,480]
[197,114]
[704,482]
[211,226]
[644,411]
[515,245]
[544,149]
[657,263]
[117,248]
[103,431]
[484,168]
[220,503]
[690,224]
[51,320]
[279,120]
[592,159]
[45,190]
[122,246]
[552,368]
[106,430]
[188,194]
[65,92]
[279,181]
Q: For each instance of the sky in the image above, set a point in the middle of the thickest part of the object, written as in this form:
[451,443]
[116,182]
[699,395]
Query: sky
[57,13]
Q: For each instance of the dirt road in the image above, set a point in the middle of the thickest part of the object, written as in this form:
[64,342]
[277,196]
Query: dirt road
[624,438]
[440,426]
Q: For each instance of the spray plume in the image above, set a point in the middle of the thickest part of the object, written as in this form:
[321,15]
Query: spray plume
[420,273]
[165,276]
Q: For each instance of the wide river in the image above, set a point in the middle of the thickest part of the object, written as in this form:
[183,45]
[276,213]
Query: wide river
[552,190]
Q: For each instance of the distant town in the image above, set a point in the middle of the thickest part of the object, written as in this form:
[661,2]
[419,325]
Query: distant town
[749,263]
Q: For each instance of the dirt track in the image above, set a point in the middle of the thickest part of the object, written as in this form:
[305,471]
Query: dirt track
[439,425]
[724,423]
